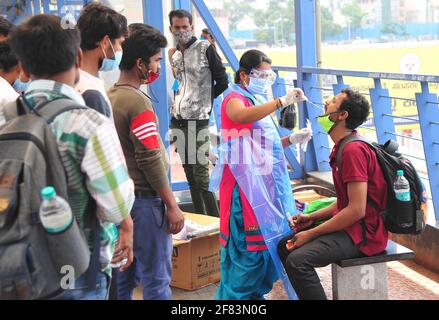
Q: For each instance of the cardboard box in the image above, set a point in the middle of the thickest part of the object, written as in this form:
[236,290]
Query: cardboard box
[307,196]
[196,262]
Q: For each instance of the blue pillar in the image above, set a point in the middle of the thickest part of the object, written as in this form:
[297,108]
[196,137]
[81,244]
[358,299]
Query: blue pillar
[279,89]
[46,8]
[339,85]
[153,15]
[428,111]
[382,105]
[216,31]
[182,4]
[317,155]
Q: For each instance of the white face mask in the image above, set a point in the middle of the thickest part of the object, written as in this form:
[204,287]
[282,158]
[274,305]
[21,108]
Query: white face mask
[258,86]
[182,37]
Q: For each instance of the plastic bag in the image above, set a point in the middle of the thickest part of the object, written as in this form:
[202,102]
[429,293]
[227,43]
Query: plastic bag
[317,205]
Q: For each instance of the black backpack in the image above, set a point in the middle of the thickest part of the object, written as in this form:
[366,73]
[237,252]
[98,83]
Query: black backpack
[399,217]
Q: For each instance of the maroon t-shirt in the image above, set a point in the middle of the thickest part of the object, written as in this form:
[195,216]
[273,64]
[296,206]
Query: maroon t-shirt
[360,164]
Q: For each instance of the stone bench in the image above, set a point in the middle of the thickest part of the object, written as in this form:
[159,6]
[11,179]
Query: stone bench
[365,278]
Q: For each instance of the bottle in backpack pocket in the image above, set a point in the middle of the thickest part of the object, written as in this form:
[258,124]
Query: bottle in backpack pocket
[401,187]
[66,241]
[55,213]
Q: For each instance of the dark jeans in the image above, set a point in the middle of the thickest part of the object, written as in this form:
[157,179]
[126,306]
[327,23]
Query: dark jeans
[300,263]
[192,140]
[152,265]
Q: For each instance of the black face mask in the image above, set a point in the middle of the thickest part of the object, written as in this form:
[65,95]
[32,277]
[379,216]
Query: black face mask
[288,117]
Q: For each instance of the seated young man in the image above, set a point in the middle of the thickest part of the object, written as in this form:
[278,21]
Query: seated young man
[355,228]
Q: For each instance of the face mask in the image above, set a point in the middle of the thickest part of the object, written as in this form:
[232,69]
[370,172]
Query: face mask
[203,38]
[20,86]
[258,86]
[182,37]
[111,64]
[326,123]
[152,76]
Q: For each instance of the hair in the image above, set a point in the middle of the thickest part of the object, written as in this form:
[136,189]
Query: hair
[142,44]
[249,60]
[8,58]
[207,31]
[97,21]
[133,27]
[180,13]
[44,47]
[357,106]
[5,26]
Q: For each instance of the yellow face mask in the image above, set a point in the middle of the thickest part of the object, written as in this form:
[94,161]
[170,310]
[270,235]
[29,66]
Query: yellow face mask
[326,123]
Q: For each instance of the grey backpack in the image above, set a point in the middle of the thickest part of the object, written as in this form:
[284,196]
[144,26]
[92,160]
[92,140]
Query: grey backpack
[29,161]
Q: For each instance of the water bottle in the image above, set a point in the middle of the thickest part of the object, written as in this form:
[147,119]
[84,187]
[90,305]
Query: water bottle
[122,262]
[401,187]
[55,213]
[66,241]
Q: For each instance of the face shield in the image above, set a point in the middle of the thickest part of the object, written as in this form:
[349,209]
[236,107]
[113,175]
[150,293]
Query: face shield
[268,75]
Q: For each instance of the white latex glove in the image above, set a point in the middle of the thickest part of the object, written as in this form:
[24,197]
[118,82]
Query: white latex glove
[301,136]
[213,157]
[293,96]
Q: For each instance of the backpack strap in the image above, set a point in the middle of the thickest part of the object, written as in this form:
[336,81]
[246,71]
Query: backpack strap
[94,224]
[50,110]
[345,141]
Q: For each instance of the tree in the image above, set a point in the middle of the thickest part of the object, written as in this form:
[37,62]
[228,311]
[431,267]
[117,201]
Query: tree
[277,18]
[354,14]
[237,10]
[265,35]
[329,27]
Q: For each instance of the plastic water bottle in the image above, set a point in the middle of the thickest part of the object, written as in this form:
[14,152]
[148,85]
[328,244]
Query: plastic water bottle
[401,187]
[55,213]
[66,241]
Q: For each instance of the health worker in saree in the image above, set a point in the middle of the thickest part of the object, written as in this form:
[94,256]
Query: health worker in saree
[254,186]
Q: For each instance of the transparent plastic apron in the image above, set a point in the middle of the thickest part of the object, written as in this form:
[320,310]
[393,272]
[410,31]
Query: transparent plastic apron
[258,163]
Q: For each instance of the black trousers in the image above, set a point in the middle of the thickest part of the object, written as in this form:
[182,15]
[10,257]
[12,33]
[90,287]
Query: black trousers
[194,155]
[300,263]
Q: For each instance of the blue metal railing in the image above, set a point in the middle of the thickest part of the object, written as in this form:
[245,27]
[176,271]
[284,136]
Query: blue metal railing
[18,10]
[383,121]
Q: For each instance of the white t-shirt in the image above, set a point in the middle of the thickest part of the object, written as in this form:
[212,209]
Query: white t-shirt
[90,82]
[7,95]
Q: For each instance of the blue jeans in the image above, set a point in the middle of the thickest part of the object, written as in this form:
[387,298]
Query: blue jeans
[152,263]
[81,291]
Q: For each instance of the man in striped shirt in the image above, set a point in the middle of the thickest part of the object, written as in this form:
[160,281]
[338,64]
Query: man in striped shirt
[87,143]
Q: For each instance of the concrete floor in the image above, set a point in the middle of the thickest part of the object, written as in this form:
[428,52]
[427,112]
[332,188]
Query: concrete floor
[406,281]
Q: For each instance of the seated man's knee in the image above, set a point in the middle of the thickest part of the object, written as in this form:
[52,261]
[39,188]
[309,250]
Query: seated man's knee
[295,260]
[281,248]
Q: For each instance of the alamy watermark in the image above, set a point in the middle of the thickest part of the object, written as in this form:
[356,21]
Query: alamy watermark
[68,278]
[239,147]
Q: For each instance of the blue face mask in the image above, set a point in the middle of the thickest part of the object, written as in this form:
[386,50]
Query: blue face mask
[258,86]
[20,86]
[111,64]
[203,38]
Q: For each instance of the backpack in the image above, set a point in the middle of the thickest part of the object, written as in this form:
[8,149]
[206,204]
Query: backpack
[29,161]
[399,217]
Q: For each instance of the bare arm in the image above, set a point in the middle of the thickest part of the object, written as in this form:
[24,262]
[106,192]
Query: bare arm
[355,211]
[237,111]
